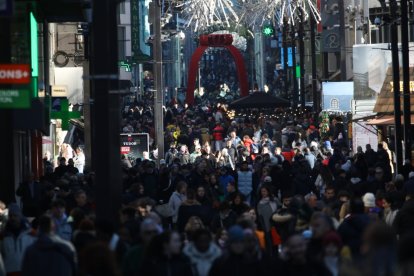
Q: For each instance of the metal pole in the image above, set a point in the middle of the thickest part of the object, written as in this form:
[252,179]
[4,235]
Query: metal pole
[315,95]
[105,112]
[302,61]
[7,165]
[285,56]
[294,77]
[406,79]
[343,39]
[157,68]
[396,81]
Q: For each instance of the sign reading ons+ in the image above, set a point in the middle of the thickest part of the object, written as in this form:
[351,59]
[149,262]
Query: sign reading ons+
[15,74]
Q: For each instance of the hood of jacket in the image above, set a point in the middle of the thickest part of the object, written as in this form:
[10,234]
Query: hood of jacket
[210,255]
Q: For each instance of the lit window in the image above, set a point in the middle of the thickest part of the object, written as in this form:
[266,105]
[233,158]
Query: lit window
[334,104]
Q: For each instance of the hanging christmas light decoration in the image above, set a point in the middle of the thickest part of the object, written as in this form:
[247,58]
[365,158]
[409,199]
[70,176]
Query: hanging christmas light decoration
[201,14]
[257,13]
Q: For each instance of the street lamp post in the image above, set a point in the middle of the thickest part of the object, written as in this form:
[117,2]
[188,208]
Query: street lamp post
[396,81]
[294,76]
[315,95]
[302,61]
[406,79]
[157,68]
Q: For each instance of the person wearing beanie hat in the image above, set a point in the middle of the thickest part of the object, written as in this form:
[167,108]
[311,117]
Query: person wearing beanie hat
[369,200]
[235,261]
[371,207]
[235,234]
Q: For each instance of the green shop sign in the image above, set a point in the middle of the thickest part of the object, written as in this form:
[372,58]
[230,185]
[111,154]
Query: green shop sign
[14,98]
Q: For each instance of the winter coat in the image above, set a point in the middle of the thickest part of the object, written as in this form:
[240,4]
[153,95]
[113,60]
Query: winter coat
[178,265]
[175,201]
[265,209]
[63,228]
[49,255]
[404,221]
[244,182]
[13,248]
[223,221]
[201,262]
[351,230]
[234,265]
[389,216]
[218,133]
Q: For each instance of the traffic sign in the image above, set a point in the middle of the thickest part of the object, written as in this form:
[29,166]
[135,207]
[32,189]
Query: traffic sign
[15,73]
[14,98]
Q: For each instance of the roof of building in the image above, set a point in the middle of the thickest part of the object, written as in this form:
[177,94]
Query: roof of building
[385,100]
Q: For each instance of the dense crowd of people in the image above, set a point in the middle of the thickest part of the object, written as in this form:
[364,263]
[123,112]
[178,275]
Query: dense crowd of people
[244,196]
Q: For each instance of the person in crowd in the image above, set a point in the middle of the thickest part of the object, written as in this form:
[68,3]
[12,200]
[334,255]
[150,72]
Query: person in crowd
[188,208]
[29,192]
[177,198]
[71,167]
[202,252]
[133,260]
[218,136]
[164,257]
[404,220]
[79,160]
[49,255]
[233,261]
[225,218]
[60,219]
[390,205]
[61,169]
[266,207]
[353,226]
[332,246]
[245,181]
[237,203]
[17,237]
[295,261]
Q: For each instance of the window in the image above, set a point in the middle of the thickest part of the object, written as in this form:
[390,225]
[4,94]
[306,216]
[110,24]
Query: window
[122,7]
[334,104]
[121,43]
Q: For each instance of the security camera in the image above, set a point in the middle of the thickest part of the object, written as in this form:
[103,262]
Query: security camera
[377,21]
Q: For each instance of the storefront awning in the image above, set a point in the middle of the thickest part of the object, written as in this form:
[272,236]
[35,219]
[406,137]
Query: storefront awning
[387,120]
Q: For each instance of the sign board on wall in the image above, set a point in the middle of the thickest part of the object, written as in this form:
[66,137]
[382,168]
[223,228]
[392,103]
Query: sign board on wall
[14,98]
[134,144]
[59,91]
[15,73]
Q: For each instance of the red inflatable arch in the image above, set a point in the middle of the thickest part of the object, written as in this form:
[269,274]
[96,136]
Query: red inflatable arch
[222,41]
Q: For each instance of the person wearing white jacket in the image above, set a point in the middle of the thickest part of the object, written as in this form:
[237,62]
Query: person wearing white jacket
[202,252]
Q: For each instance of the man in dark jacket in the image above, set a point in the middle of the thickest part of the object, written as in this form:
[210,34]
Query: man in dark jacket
[234,262]
[30,195]
[370,156]
[352,228]
[404,221]
[49,254]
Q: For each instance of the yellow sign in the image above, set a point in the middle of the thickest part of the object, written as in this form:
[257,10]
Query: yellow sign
[402,86]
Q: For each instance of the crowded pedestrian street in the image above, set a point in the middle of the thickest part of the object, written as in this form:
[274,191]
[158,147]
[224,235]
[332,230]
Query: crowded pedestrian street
[206,138]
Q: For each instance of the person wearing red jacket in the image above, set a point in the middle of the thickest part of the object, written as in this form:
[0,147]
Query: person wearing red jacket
[218,136]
